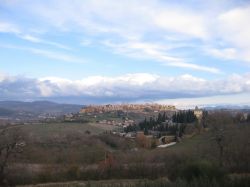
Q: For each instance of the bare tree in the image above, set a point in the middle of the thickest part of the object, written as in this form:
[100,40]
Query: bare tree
[10,144]
[219,123]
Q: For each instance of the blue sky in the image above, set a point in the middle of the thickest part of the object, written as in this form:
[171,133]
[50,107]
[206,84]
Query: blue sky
[96,51]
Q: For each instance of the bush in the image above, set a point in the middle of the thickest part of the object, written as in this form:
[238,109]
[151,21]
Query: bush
[73,172]
[200,170]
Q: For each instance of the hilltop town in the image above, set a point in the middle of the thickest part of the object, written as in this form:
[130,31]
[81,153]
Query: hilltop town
[120,115]
[126,108]
[153,124]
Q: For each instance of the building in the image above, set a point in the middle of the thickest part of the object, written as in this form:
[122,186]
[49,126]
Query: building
[127,107]
[198,113]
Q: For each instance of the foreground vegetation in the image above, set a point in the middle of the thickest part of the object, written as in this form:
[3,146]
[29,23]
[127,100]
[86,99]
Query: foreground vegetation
[218,155]
[201,182]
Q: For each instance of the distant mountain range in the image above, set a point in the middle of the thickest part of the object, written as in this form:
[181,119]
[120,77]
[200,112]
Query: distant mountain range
[9,108]
[227,107]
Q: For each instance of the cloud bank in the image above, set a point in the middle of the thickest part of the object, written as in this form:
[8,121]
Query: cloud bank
[140,87]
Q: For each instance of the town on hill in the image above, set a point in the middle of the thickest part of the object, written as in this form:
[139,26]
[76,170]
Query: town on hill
[127,107]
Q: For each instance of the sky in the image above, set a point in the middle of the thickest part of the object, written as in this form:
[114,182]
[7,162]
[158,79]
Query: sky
[183,52]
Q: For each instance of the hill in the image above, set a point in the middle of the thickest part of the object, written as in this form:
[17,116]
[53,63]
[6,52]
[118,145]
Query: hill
[37,107]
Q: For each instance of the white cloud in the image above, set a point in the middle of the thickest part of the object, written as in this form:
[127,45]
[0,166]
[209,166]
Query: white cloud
[122,17]
[86,42]
[129,87]
[56,55]
[158,52]
[2,77]
[212,101]
[48,54]
[227,53]
[143,50]
[129,22]
[234,26]
[151,84]
[196,67]
[134,24]
[42,41]
[6,27]
[181,21]
[97,85]
[45,90]
[233,30]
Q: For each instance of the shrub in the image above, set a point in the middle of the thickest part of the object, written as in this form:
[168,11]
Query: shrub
[201,169]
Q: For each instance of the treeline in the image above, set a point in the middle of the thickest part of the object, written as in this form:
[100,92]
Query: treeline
[153,123]
[162,123]
[184,117]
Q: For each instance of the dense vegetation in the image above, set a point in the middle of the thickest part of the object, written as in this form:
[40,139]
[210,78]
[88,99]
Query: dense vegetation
[184,117]
[161,123]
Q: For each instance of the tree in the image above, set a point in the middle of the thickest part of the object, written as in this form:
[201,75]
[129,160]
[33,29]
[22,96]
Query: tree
[184,117]
[164,117]
[10,144]
[159,119]
[204,119]
[219,123]
[239,118]
[248,117]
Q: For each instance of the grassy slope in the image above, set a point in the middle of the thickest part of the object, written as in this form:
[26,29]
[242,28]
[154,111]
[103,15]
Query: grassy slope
[192,142]
[52,129]
[59,142]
